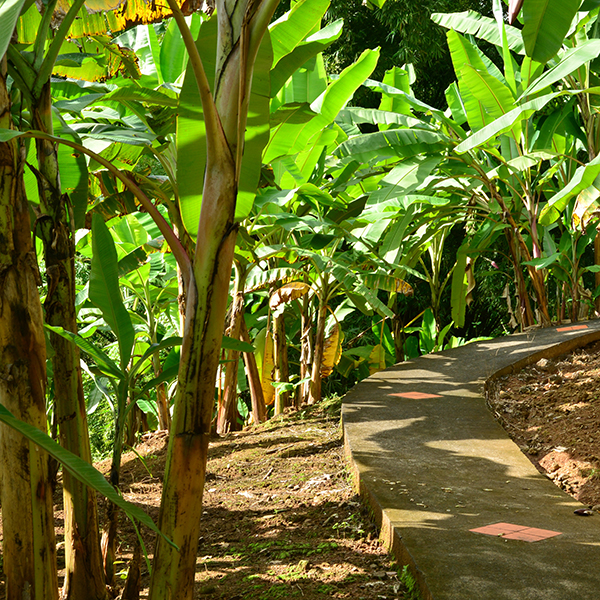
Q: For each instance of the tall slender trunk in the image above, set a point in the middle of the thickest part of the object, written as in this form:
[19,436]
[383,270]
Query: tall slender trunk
[84,574]
[306,349]
[241,28]
[111,521]
[315,377]
[162,401]
[597,262]
[259,409]
[525,312]
[29,550]
[227,412]
[282,370]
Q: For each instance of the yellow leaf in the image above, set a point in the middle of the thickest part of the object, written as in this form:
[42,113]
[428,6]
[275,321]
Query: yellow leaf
[586,207]
[377,359]
[287,293]
[402,287]
[265,364]
[332,351]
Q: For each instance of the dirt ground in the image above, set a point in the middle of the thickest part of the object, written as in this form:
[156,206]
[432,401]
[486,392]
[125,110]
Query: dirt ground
[280,517]
[552,411]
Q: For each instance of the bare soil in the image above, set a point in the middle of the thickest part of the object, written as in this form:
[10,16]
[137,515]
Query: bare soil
[552,411]
[280,516]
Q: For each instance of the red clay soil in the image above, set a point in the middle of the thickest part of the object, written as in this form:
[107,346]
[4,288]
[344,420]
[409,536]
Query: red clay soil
[552,411]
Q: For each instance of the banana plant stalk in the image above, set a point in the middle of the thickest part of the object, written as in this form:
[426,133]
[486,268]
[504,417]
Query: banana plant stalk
[29,549]
[259,409]
[241,29]
[227,407]
[84,574]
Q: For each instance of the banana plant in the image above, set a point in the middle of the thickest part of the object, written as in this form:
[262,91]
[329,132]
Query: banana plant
[541,149]
[105,293]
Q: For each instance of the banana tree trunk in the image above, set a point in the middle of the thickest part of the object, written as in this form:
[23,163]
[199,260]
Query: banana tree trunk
[282,370]
[162,401]
[306,349]
[241,29]
[227,409]
[314,395]
[597,262]
[526,314]
[259,409]
[84,575]
[29,550]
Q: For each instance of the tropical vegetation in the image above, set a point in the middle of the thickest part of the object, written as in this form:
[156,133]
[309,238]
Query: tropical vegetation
[201,228]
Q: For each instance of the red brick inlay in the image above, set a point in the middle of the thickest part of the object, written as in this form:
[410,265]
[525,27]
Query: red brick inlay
[415,395]
[510,531]
[573,328]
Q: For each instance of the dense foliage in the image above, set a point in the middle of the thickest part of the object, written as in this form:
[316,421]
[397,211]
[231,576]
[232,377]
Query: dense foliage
[225,232]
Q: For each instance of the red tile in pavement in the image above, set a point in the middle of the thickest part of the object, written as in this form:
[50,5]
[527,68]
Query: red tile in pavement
[415,395]
[499,528]
[573,328]
[510,531]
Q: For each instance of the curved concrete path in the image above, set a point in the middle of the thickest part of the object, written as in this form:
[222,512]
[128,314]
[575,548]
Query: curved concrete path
[436,467]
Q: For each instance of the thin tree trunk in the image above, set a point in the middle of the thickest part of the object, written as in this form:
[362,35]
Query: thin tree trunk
[227,413]
[84,574]
[597,262]
[259,409]
[315,379]
[111,521]
[306,349]
[162,401]
[29,550]
[241,28]
[525,312]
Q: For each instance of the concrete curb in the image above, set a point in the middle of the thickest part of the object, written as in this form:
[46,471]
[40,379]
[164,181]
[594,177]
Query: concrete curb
[433,464]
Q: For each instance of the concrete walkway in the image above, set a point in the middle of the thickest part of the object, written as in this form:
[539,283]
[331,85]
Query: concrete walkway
[434,464]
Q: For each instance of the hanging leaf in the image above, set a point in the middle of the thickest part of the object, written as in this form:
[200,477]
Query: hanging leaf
[287,293]
[485,28]
[377,359]
[545,25]
[332,350]
[265,364]
[104,290]
[9,13]
[586,207]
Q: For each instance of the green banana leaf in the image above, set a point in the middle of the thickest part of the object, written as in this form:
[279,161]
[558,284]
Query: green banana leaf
[583,178]
[289,138]
[570,61]
[73,174]
[229,343]
[357,116]
[485,28]
[459,288]
[191,133]
[295,25]
[79,468]
[485,98]
[104,363]
[393,142]
[104,290]
[506,122]
[400,79]
[306,50]
[163,344]
[173,55]
[545,25]
[9,13]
